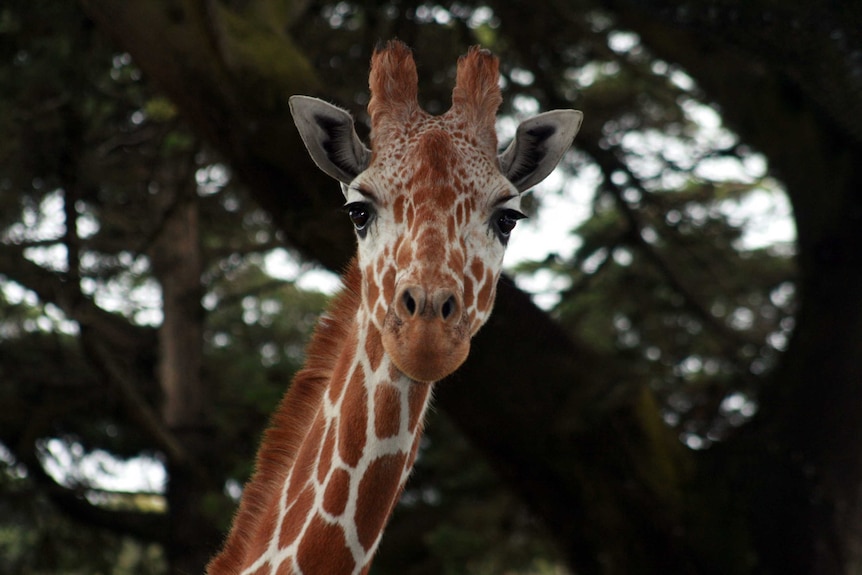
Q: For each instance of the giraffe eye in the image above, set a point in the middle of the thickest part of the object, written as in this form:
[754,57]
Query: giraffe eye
[360,214]
[504,222]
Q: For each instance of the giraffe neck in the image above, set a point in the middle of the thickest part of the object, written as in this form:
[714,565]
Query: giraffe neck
[324,509]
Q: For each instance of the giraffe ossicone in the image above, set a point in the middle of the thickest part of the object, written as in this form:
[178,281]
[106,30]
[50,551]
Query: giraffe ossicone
[433,205]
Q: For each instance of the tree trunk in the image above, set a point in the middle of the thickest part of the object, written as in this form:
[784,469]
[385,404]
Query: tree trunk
[177,265]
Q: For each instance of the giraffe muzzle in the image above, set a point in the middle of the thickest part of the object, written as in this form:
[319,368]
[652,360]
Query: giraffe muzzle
[425,332]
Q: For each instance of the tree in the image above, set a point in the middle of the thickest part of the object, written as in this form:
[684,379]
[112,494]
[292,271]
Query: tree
[109,203]
[669,338]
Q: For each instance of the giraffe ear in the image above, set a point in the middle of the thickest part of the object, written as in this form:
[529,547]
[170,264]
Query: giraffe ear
[539,144]
[328,133]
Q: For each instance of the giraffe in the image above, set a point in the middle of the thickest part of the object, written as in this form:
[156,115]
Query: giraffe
[433,206]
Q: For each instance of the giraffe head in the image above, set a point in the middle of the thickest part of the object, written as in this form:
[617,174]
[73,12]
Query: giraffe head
[432,202]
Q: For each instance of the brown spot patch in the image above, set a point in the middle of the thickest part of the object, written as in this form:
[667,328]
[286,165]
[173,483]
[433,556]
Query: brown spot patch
[379,314]
[394,373]
[398,209]
[304,465]
[432,247]
[378,491]
[324,549]
[388,284]
[354,417]
[373,350]
[486,294]
[404,257]
[326,454]
[337,490]
[342,366]
[295,517]
[445,198]
[371,290]
[387,411]
[477,268]
[436,154]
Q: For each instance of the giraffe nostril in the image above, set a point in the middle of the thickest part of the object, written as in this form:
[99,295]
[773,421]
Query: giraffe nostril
[448,307]
[414,302]
[409,302]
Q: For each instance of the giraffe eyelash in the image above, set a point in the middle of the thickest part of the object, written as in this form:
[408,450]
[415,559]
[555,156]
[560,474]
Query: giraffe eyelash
[364,192]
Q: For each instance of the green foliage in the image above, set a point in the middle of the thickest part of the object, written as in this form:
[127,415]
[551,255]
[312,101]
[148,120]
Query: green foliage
[664,283]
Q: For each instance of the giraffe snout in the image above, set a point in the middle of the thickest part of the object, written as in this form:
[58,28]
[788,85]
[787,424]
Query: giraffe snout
[414,301]
[425,332]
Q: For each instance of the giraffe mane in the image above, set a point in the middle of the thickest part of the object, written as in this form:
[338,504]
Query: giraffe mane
[289,424]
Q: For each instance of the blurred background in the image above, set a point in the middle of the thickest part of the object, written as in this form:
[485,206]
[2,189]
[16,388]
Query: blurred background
[670,382]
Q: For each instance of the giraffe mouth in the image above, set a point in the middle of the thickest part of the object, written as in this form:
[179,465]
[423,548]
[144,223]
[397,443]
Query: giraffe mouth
[425,350]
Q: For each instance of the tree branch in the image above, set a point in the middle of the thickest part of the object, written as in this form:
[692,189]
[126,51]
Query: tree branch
[136,405]
[54,288]
[98,327]
[72,503]
[609,163]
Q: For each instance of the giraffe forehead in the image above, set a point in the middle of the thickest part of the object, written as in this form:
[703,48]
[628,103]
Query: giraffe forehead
[436,165]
